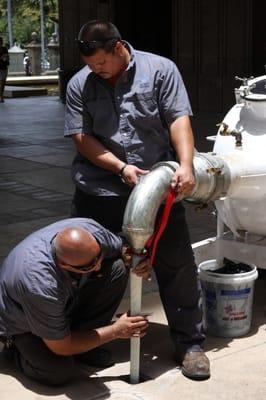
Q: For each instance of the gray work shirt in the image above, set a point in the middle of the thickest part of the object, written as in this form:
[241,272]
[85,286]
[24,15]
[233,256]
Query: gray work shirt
[131,119]
[36,295]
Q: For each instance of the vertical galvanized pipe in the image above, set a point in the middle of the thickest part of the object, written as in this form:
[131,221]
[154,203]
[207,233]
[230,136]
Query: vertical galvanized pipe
[135,309]
[138,226]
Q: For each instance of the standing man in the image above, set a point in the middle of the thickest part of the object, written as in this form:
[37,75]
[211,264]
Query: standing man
[127,110]
[59,289]
[4,63]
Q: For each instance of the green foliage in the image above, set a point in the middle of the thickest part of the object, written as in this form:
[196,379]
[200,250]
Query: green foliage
[26,19]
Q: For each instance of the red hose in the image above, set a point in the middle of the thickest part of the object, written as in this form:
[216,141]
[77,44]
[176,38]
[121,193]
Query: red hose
[154,239]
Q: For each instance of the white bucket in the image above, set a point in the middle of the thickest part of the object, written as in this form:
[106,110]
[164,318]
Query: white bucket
[227,300]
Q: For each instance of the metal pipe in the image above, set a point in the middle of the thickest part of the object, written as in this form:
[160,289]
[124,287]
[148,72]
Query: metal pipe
[135,309]
[212,178]
[144,202]
[138,226]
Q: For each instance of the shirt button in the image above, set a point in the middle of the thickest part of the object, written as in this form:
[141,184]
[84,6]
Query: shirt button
[128,153]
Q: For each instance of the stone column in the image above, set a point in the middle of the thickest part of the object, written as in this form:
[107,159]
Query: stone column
[34,51]
[16,56]
[53,51]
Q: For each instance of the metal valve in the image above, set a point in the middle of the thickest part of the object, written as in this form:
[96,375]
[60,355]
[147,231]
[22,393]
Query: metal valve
[226,131]
[214,170]
[245,88]
[244,80]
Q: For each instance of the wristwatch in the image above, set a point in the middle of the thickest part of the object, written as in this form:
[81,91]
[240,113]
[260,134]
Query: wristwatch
[122,170]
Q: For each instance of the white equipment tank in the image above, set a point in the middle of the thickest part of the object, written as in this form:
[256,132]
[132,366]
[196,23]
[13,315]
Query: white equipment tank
[240,188]
[244,207]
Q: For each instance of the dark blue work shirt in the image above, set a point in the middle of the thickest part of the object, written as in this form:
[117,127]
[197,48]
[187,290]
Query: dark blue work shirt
[36,295]
[131,119]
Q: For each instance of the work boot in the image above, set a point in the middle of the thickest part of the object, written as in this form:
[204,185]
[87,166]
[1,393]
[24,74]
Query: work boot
[98,357]
[196,365]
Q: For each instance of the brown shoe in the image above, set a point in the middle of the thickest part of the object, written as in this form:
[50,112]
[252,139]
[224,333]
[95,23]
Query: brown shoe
[196,365]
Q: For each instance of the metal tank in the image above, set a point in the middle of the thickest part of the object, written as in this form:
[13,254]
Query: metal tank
[244,206]
[241,210]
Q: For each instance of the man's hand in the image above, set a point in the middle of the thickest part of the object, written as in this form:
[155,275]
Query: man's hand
[127,256]
[126,327]
[183,180]
[143,269]
[131,174]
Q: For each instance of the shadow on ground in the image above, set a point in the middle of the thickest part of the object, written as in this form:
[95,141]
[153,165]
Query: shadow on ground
[157,358]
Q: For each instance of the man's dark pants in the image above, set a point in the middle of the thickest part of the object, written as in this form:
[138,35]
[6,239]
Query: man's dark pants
[96,304]
[174,266]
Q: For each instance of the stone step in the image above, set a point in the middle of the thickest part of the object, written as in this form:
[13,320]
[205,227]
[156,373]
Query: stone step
[32,80]
[24,91]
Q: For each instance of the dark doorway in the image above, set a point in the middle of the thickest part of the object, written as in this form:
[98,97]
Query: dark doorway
[146,24]
[259,37]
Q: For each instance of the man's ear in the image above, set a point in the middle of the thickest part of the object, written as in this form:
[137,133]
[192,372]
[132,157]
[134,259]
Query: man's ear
[118,49]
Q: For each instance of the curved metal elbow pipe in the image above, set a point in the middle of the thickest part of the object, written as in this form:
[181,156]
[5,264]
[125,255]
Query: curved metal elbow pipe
[212,179]
[144,202]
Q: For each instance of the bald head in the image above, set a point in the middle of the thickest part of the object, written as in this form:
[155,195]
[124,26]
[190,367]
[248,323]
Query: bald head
[76,246]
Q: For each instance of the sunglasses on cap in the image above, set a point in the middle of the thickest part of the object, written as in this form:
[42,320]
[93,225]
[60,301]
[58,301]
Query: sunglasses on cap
[84,268]
[87,47]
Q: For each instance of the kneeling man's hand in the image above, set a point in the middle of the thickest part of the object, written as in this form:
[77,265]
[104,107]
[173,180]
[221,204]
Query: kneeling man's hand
[143,269]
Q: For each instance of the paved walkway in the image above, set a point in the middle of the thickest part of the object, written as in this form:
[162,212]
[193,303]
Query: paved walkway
[35,190]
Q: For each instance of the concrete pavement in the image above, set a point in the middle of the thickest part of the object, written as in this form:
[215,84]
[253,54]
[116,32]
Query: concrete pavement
[35,190]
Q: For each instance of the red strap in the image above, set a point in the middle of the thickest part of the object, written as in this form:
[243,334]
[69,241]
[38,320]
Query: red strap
[154,239]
